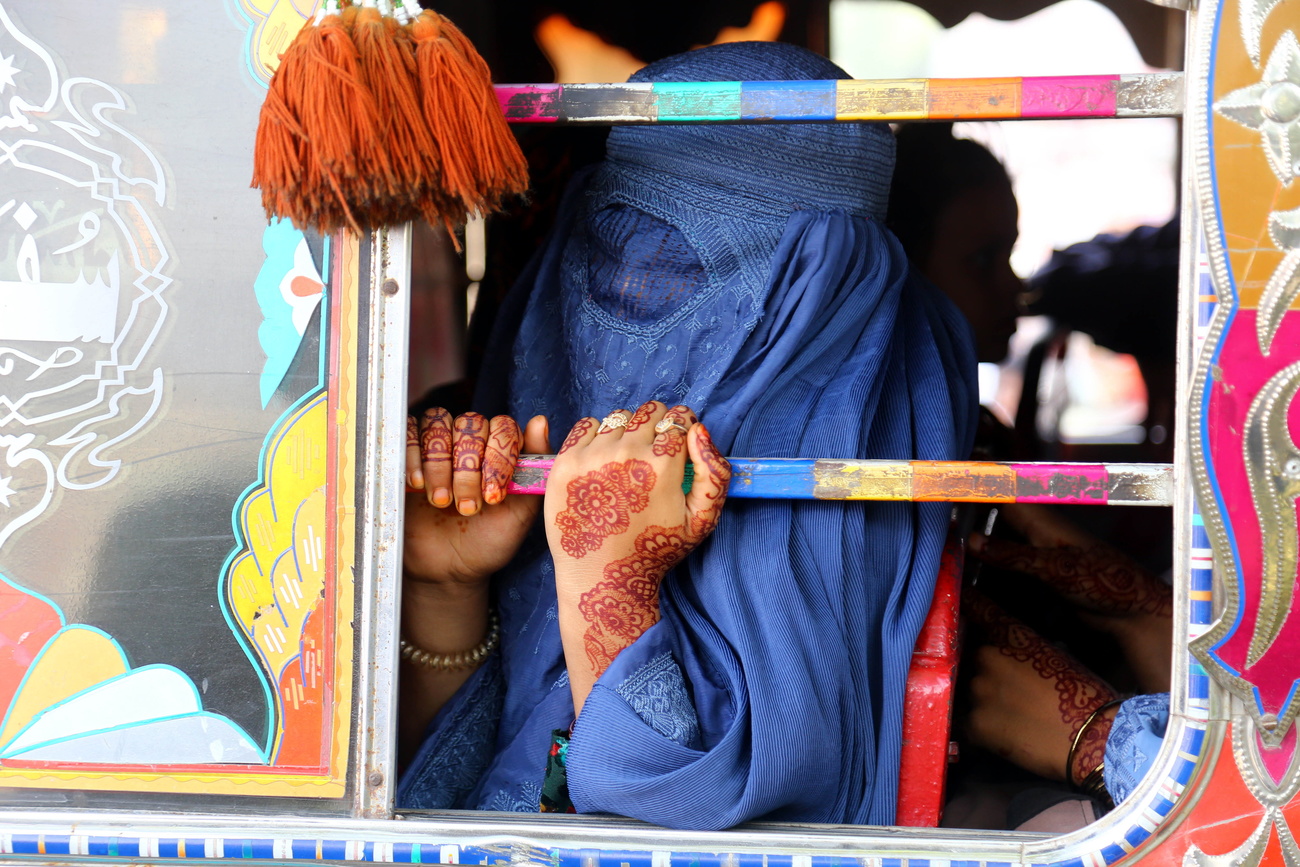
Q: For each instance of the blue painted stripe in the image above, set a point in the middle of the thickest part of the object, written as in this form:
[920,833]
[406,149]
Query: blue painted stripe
[1198,687]
[60,844]
[1112,853]
[1136,835]
[169,847]
[576,857]
[303,849]
[195,847]
[1200,536]
[1162,806]
[1193,741]
[402,853]
[368,852]
[27,844]
[334,850]
[1182,771]
[615,857]
[475,855]
[891,862]
[787,100]
[1202,612]
[1202,579]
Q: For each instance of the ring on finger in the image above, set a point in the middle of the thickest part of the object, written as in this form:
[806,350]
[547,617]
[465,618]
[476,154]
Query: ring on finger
[616,419]
[669,423]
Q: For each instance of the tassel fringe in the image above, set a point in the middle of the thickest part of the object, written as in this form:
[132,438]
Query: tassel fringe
[369,122]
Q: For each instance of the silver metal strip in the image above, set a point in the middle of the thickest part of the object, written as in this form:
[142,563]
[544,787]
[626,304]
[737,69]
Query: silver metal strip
[375,758]
[1158,94]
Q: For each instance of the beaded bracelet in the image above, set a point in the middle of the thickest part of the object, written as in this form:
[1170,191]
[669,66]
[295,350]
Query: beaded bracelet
[455,661]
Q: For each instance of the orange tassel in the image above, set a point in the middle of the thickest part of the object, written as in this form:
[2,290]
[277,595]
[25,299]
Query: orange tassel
[368,123]
[482,164]
[281,143]
[388,69]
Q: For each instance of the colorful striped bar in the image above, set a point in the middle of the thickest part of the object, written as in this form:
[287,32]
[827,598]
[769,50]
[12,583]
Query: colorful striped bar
[1079,96]
[922,481]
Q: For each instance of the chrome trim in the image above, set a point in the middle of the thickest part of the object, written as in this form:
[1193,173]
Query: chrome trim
[375,756]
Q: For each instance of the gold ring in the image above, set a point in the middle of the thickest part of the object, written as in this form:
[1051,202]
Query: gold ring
[616,419]
[666,424]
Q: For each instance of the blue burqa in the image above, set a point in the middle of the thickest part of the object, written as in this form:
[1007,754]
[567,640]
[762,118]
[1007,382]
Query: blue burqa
[744,271]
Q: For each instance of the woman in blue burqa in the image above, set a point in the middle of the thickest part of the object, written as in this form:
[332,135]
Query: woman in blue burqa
[740,275]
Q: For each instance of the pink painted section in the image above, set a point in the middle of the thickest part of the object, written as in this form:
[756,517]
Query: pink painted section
[530,483]
[529,103]
[1243,372]
[1073,96]
[1066,484]
[1277,762]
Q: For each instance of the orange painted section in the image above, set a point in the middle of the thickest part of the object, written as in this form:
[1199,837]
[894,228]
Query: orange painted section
[974,98]
[993,483]
[1248,189]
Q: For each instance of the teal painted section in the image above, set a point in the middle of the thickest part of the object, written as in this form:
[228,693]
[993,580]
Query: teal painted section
[680,102]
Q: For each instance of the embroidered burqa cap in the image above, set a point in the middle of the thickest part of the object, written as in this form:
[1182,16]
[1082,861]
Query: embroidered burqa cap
[743,270]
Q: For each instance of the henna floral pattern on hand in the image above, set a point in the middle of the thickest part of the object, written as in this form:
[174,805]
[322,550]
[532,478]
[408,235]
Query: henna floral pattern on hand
[640,417]
[671,442]
[471,442]
[435,438]
[601,503]
[579,431]
[412,432]
[1079,691]
[502,450]
[626,601]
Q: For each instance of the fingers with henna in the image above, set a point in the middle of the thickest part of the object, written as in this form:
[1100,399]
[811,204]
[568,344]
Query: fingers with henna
[709,488]
[435,455]
[583,432]
[670,432]
[642,423]
[414,473]
[504,442]
[467,455]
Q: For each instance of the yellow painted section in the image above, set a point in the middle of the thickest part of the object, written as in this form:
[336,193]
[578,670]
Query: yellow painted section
[886,481]
[274,25]
[74,659]
[278,579]
[903,99]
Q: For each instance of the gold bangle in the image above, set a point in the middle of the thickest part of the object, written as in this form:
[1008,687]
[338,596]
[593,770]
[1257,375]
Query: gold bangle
[1078,739]
[1094,785]
[455,661]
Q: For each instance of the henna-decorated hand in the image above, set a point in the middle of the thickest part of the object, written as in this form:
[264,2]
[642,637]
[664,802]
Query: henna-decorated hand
[460,525]
[617,521]
[1113,593]
[1029,699]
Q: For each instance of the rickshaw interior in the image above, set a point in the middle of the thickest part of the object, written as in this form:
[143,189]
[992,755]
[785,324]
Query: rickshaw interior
[1076,378]
[305,724]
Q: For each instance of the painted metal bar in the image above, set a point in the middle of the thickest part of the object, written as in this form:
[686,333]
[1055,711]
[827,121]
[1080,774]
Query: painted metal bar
[922,481]
[1078,96]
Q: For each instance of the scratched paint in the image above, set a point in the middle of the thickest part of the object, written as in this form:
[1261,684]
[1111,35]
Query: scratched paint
[922,481]
[1079,96]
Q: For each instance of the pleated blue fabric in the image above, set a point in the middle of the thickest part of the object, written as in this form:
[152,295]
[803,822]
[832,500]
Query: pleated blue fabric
[744,271]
